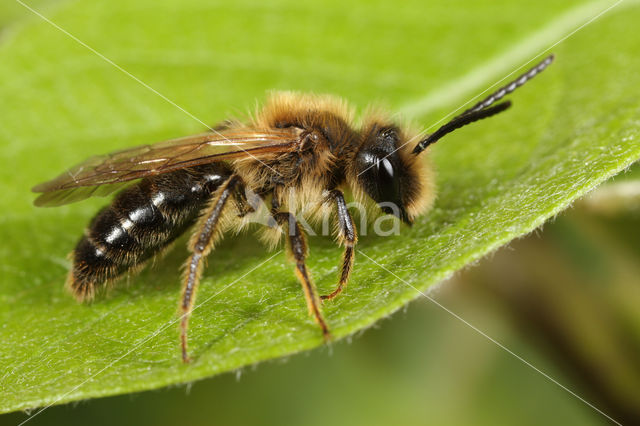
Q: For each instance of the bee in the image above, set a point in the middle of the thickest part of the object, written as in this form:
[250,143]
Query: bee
[298,147]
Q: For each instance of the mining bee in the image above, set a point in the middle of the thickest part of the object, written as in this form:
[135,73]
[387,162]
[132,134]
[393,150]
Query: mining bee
[297,147]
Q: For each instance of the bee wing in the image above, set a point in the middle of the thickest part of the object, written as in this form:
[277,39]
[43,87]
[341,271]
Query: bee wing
[101,175]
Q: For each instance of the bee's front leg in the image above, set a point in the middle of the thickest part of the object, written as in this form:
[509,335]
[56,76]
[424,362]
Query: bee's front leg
[348,236]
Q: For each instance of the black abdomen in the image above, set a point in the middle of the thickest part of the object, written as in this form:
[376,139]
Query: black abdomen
[141,221]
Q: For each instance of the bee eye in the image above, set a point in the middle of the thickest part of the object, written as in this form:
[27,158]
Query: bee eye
[386,168]
[378,176]
[380,171]
[387,186]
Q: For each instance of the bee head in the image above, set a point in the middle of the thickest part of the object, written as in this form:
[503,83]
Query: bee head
[387,172]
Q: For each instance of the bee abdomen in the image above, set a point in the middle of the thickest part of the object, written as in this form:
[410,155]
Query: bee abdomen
[142,220]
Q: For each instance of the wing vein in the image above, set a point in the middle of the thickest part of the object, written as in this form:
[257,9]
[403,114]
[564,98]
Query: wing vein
[101,175]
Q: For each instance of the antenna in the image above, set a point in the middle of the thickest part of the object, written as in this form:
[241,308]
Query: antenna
[483,109]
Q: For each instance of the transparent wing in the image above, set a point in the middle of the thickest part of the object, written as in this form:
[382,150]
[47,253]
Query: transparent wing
[101,175]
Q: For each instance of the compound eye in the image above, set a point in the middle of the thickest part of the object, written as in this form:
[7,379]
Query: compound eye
[387,185]
[386,168]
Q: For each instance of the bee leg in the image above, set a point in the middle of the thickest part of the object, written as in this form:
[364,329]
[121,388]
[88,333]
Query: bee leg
[348,236]
[200,245]
[298,248]
[242,203]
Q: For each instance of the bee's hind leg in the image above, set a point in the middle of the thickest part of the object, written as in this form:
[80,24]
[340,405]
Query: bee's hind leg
[348,236]
[200,245]
[298,248]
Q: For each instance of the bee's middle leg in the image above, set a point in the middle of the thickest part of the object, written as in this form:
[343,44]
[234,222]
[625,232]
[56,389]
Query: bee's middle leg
[298,247]
[348,236]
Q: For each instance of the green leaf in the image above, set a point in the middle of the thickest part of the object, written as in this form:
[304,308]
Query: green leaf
[569,130]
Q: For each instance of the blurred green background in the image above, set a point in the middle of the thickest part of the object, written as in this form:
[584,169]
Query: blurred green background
[564,299]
